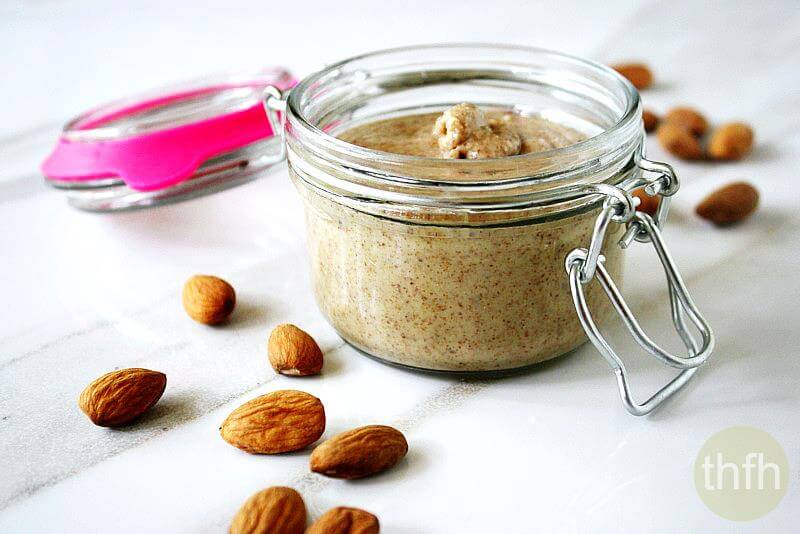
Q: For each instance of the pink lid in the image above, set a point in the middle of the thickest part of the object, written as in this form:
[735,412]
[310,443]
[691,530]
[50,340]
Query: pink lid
[155,141]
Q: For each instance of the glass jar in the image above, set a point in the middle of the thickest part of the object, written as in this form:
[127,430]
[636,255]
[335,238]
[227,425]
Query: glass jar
[459,265]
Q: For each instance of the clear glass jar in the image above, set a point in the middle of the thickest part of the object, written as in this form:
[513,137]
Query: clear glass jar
[459,265]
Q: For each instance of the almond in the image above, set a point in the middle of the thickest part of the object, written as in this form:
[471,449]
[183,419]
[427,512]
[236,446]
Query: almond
[647,204]
[650,120]
[729,204]
[679,141]
[293,352]
[119,397]
[208,299]
[343,520]
[359,452]
[730,141]
[277,422]
[638,74]
[276,510]
[689,118]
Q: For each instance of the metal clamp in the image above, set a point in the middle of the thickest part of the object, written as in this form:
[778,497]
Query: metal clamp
[585,264]
[275,107]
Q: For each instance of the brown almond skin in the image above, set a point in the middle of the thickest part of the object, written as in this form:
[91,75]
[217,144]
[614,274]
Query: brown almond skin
[730,204]
[678,141]
[730,141]
[275,510]
[281,421]
[650,120]
[647,204]
[689,118]
[638,74]
[344,520]
[119,397]
[293,352]
[208,299]
[360,452]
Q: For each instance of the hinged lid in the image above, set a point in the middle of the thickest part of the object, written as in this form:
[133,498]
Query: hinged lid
[169,144]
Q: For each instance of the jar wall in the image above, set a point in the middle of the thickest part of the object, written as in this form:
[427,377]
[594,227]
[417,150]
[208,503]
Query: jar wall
[450,298]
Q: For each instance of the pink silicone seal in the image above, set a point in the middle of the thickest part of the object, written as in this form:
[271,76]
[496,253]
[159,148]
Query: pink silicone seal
[155,142]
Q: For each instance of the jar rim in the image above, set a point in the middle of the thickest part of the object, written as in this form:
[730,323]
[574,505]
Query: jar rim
[463,192]
[628,118]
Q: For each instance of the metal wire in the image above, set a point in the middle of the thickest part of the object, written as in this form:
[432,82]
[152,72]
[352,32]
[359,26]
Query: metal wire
[584,265]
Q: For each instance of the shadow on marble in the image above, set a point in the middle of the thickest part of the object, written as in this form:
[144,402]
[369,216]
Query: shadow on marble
[762,153]
[171,411]
[246,314]
[333,365]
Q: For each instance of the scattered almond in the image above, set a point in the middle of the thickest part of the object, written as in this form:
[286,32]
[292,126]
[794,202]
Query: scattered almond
[343,520]
[119,397]
[689,118]
[729,204]
[293,352]
[647,204]
[208,299]
[275,510]
[730,141]
[638,74]
[359,452]
[650,120]
[679,141]
[281,421]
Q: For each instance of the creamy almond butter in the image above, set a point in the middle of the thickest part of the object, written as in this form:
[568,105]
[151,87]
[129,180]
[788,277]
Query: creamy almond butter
[489,294]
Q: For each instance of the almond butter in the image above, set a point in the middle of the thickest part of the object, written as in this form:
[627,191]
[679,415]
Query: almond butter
[275,510]
[344,520]
[689,118]
[208,299]
[647,204]
[650,120]
[359,452]
[293,352]
[729,204]
[638,74]
[679,141]
[281,421]
[119,397]
[730,141]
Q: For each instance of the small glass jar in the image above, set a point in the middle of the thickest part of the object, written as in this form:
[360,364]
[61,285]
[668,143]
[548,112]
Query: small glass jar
[459,265]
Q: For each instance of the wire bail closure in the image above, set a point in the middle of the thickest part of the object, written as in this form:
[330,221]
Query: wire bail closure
[274,103]
[583,265]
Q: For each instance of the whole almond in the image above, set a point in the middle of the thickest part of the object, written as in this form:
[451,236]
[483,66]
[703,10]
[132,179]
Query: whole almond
[679,141]
[689,118]
[275,510]
[359,452]
[650,120]
[119,397]
[647,204]
[344,520]
[281,421]
[293,352]
[208,299]
[638,74]
[730,141]
[729,204]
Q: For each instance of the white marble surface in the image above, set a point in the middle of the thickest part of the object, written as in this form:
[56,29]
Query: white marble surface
[549,451]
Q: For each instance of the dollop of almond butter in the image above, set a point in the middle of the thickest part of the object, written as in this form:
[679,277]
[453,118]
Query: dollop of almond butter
[463,132]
